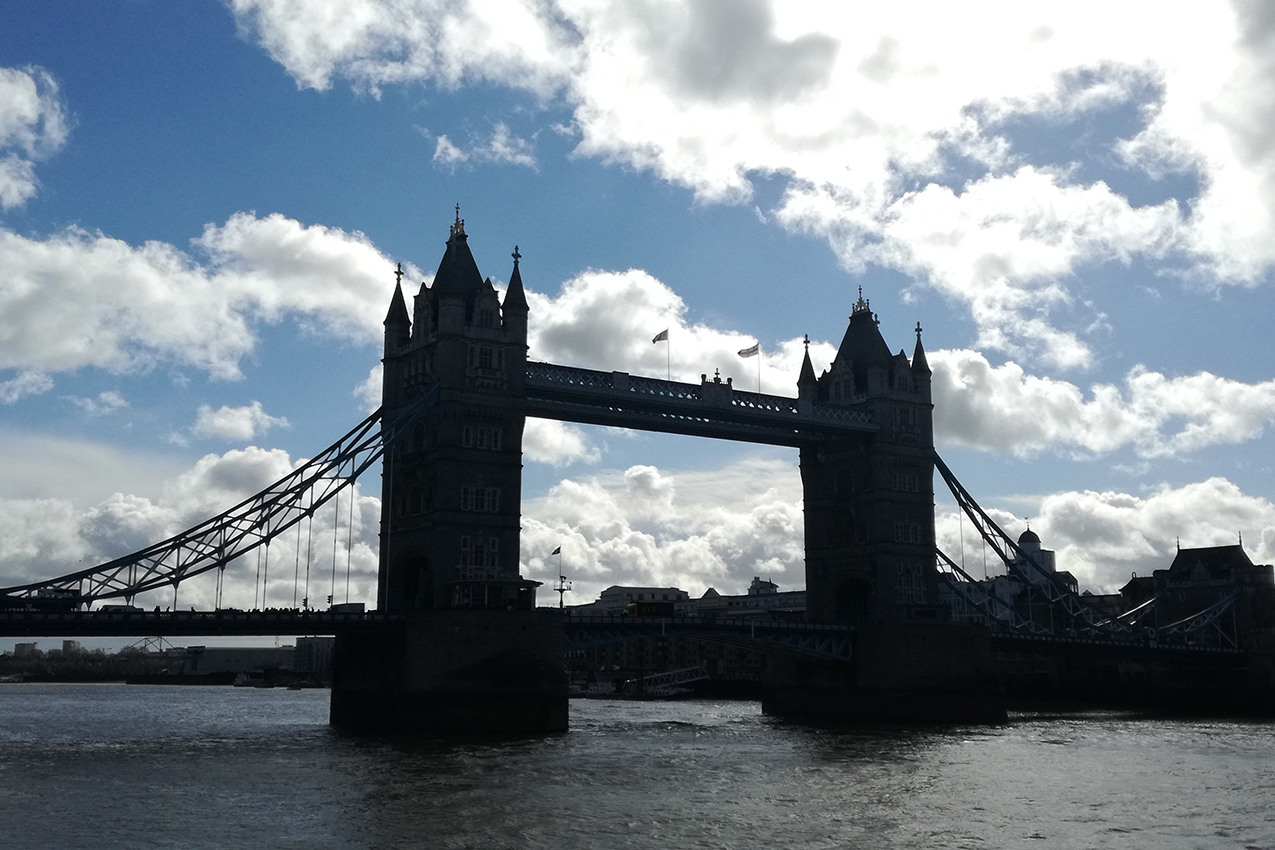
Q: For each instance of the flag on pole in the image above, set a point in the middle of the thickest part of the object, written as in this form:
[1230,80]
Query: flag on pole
[750,352]
[662,336]
[557,551]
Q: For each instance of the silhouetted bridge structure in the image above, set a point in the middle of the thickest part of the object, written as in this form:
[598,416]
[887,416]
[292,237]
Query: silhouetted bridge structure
[577,395]
[456,641]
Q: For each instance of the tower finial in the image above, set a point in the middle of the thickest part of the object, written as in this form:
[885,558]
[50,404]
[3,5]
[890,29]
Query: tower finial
[398,274]
[918,330]
[458,213]
[458,229]
[516,256]
[806,340]
[860,306]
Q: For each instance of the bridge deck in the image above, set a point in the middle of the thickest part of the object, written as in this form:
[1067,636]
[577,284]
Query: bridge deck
[191,623]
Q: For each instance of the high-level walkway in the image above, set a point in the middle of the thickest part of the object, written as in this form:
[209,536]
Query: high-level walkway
[707,409]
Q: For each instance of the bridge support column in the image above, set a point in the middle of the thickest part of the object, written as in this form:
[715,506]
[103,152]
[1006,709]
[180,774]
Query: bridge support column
[932,673]
[454,672]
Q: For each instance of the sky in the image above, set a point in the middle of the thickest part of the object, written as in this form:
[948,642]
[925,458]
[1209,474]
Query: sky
[201,207]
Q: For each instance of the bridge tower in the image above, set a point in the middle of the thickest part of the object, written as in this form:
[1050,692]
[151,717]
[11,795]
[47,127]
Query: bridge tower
[451,490]
[869,501]
[472,654]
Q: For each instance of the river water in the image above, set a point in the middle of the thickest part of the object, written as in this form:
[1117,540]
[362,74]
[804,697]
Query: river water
[116,766]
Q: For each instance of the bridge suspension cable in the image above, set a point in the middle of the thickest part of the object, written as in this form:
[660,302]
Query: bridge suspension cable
[252,523]
[1078,616]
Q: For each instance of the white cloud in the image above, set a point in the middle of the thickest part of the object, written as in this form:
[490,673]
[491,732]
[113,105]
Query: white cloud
[236,423]
[78,299]
[32,126]
[447,153]
[557,443]
[647,526]
[369,391]
[106,403]
[893,139]
[379,43]
[1002,408]
[503,148]
[26,383]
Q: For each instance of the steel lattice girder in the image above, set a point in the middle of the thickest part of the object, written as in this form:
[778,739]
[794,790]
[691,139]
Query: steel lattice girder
[253,522]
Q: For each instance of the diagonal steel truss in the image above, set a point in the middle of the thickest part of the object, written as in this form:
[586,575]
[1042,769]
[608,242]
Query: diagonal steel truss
[215,542]
[1078,615]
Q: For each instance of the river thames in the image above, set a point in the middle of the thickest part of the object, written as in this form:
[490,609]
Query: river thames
[117,766]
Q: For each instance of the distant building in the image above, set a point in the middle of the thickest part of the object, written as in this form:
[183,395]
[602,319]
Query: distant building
[26,650]
[313,656]
[763,598]
[1023,591]
[70,647]
[201,660]
[725,663]
[1200,578]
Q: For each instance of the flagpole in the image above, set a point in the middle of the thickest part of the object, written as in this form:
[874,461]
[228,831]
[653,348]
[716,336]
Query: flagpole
[753,351]
[662,336]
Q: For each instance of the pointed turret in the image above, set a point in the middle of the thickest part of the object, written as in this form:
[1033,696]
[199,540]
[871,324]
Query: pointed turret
[397,316]
[398,324]
[919,363]
[515,297]
[807,383]
[513,312]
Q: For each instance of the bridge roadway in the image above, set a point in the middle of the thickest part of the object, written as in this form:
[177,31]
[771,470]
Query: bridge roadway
[284,621]
[582,632]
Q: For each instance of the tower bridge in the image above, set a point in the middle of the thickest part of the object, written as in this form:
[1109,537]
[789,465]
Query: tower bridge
[457,642]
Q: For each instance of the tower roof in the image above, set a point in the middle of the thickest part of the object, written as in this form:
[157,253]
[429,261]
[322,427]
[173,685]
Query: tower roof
[457,275]
[398,309]
[1220,561]
[863,343]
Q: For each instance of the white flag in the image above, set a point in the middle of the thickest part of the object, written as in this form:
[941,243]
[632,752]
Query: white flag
[661,336]
[750,352]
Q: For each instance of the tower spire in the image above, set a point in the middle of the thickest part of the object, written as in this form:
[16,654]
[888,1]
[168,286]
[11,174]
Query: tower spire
[919,363]
[458,229]
[807,383]
[515,296]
